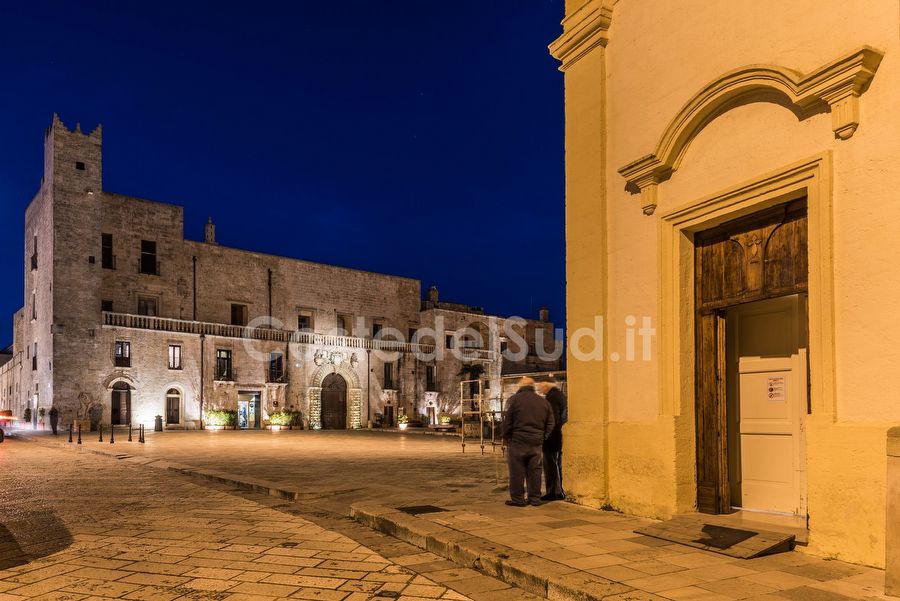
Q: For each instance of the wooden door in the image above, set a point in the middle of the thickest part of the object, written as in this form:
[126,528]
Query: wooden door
[120,404]
[761,256]
[334,403]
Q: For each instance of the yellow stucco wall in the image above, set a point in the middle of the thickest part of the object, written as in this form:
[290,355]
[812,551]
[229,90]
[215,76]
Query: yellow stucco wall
[626,443]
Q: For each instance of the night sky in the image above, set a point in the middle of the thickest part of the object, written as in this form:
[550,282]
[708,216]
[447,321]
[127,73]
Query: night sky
[417,138]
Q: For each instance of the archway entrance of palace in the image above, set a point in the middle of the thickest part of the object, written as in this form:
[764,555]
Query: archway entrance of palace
[752,397]
[334,403]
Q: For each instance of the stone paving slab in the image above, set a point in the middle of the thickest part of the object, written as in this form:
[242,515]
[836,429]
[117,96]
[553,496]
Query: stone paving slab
[574,547]
[78,526]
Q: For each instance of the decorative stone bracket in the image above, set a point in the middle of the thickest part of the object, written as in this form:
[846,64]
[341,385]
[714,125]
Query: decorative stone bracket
[583,30]
[838,84]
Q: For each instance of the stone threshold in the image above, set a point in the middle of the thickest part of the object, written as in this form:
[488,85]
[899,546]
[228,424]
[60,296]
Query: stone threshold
[520,569]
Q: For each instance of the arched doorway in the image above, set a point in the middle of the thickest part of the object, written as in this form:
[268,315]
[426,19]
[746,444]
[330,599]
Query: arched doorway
[334,403]
[173,406]
[120,404]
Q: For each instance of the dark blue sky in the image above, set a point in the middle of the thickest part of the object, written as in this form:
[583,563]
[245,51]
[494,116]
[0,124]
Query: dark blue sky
[418,138]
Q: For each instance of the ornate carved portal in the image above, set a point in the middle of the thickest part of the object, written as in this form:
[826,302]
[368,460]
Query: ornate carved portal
[334,403]
[345,370]
[755,258]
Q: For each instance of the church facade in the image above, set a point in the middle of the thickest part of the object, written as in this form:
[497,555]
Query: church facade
[124,320]
[731,194]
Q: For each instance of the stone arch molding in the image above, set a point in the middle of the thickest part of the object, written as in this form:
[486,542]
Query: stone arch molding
[342,370]
[837,84]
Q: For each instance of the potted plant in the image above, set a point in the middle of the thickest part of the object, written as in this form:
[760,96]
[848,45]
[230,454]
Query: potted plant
[403,421]
[26,416]
[219,419]
[280,420]
[41,413]
[444,419]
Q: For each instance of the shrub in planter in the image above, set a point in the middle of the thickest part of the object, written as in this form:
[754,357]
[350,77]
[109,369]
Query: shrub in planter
[282,418]
[26,417]
[221,417]
[403,419]
[445,419]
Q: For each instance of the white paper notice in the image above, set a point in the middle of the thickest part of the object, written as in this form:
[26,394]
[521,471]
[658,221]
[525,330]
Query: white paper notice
[777,389]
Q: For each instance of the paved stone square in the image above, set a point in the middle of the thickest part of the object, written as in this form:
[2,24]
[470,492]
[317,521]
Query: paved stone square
[79,526]
[379,472]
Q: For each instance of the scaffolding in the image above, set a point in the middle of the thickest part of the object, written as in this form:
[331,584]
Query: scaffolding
[476,418]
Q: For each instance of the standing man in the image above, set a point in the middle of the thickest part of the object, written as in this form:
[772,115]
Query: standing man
[553,445]
[527,424]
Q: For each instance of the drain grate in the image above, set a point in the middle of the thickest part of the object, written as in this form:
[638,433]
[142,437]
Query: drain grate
[421,509]
[387,595]
[289,545]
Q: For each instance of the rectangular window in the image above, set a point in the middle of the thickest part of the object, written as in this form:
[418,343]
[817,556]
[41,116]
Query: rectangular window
[34,358]
[305,321]
[430,382]
[412,334]
[388,376]
[149,264]
[33,306]
[174,356]
[123,353]
[147,306]
[377,326]
[34,255]
[107,258]
[106,305]
[449,341]
[224,370]
[276,367]
[238,314]
[343,325]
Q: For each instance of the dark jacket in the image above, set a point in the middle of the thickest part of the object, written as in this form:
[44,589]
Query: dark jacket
[560,407]
[528,419]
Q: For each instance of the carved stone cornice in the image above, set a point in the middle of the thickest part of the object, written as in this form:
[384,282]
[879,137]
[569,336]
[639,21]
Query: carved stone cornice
[838,84]
[583,30]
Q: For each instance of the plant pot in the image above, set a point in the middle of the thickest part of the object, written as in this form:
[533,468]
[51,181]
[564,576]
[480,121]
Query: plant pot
[402,426]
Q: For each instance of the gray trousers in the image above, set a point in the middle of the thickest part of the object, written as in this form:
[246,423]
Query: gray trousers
[525,463]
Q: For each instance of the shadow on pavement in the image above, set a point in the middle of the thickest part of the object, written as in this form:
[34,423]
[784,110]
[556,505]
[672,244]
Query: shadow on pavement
[31,536]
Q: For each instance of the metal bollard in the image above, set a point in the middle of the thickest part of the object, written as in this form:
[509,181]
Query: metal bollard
[129,432]
[112,434]
[70,433]
[141,436]
[101,432]
[892,536]
[79,433]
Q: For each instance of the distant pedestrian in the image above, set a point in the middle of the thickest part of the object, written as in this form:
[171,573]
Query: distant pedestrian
[526,425]
[553,445]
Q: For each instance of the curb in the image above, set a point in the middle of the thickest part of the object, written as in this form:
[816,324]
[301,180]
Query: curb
[536,575]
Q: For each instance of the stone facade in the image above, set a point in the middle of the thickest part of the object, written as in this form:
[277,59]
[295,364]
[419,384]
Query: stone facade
[684,116]
[125,320]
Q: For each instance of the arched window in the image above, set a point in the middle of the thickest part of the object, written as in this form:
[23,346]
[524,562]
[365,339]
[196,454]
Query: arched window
[173,406]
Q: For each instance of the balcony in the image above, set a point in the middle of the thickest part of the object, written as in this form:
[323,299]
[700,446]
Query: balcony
[181,326]
[148,266]
[477,354]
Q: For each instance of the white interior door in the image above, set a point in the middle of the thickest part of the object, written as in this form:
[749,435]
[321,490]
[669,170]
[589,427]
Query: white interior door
[772,405]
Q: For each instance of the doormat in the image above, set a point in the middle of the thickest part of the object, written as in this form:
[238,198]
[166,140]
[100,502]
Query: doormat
[693,531]
[420,509]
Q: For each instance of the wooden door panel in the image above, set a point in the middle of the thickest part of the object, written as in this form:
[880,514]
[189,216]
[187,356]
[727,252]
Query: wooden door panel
[757,257]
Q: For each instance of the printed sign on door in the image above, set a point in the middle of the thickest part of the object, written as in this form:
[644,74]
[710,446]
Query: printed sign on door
[776,389]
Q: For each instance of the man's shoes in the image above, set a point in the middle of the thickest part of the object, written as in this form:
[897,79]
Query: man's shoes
[548,498]
[535,502]
[512,503]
